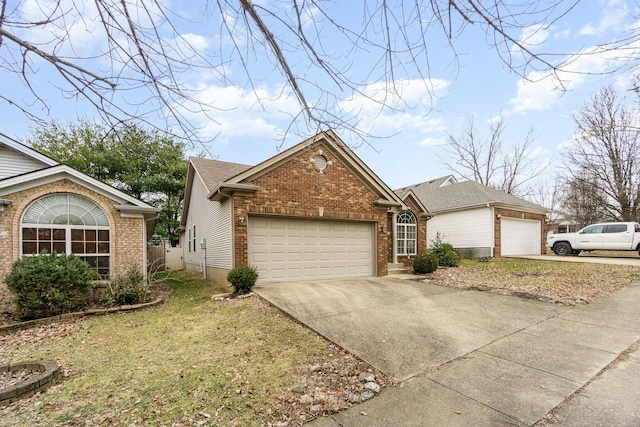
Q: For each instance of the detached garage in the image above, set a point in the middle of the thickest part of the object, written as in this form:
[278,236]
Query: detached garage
[314,211]
[519,236]
[481,221]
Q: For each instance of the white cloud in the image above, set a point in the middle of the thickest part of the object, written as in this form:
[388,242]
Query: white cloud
[235,113]
[532,37]
[615,16]
[380,109]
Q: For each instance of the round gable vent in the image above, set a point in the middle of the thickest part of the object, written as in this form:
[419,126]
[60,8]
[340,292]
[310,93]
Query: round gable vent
[320,162]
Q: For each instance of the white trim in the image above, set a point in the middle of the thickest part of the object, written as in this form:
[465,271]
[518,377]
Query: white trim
[55,173]
[27,151]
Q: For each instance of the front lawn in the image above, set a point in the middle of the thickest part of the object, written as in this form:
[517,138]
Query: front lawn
[190,361]
[561,282]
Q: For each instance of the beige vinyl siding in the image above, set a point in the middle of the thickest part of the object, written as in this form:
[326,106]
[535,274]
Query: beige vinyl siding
[463,229]
[213,222]
[13,163]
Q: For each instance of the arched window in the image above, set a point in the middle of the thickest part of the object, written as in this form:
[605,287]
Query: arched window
[406,233]
[68,224]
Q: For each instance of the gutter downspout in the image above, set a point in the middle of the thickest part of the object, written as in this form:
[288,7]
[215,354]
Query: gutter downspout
[493,228]
[394,217]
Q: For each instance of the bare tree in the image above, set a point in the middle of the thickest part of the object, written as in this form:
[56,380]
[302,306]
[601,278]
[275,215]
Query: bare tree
[606,148]
[582,202]
[134,59]
[550,194]
[490,161]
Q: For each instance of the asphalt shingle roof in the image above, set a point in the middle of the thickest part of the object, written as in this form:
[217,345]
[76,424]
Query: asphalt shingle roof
[213,172]
[463,194]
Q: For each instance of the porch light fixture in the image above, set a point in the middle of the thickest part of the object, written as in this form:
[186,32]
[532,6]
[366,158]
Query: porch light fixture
[241,220]
[384,228]
[546,220]
[498,216]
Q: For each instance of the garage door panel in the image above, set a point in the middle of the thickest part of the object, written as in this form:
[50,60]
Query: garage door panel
[293,249]
[520,237]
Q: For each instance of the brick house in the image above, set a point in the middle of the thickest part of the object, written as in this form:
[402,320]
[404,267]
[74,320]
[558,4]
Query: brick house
[314,211]
[480,221]
[45,205]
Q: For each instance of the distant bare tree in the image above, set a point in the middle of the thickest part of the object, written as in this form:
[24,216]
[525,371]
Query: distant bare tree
[550,194]
[606,150]
[134,59]
[490,161]
[582,201]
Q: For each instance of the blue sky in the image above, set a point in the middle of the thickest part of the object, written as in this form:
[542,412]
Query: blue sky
[482,87]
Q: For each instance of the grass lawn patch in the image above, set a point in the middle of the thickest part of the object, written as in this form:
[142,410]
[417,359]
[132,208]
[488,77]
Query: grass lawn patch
[561,282]
[190,361]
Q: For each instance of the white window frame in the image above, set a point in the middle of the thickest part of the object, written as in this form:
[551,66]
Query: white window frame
[68,212]
[406,233]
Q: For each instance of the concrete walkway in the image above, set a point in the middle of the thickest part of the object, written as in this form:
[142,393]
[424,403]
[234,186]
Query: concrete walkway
[467,358]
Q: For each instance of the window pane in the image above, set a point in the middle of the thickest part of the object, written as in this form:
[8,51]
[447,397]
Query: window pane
[44,233]
[401,247]
[103,262]
[91,260]
[59,247]
[29,248]
[77,235]
[400,232]
[44,246]
[91,235]
[103,248]
[59,234]
[29,233]
[411,232]
[77,247]
[411,247]
[91,247]
[103,235]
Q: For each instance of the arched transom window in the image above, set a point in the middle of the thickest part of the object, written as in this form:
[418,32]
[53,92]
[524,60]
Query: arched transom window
[406,233]
[68,224]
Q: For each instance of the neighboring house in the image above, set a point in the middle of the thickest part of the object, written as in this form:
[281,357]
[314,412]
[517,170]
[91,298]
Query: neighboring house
[47,206]
[314,211]
[480,221]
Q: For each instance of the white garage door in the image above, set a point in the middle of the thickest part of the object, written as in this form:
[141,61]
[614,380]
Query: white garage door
[293,249]
[519,237]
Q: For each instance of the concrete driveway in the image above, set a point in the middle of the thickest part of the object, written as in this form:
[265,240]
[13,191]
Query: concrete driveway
[463,357]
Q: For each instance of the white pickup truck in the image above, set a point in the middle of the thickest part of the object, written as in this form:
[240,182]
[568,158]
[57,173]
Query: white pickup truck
[610,236]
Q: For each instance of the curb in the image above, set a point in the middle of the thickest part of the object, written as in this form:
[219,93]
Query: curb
[76,315]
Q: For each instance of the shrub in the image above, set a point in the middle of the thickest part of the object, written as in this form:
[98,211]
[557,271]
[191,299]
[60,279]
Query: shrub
[447,256]
[47,284]
[128,288]
[425,263]
[243,278]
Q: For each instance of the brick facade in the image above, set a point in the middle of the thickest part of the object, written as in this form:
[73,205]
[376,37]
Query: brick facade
[126,233]
[297,189]
[507,213]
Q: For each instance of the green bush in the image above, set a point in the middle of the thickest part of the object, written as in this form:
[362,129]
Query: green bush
[447,256]
[425,263]
[243,278]
[128,288]
[47,284]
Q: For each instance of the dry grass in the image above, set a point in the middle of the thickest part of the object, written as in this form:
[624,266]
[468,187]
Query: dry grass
[561,282]
[191,361]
